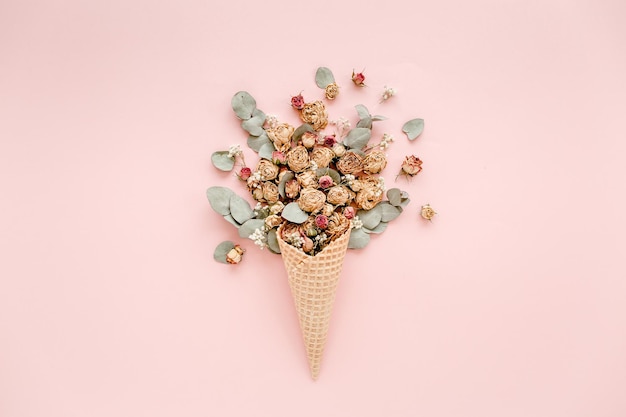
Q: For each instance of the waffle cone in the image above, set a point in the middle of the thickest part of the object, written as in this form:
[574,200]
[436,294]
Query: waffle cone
[313,282]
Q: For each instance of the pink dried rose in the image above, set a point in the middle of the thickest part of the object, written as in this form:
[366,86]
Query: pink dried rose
[329,140]
[297,102]
[321,221]
[325,181]
[411,166]
[279,157]
[349,212]
[244,173]
[358,79]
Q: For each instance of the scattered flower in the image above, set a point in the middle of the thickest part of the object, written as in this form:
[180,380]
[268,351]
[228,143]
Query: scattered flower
[427,212]
[244,173]
[387,93]
[234,151]
[332,91]
[297,102]
[411,166]
[235,255]
[358,79]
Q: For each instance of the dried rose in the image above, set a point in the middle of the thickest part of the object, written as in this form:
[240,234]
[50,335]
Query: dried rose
[270,192]
[277,207]
[267,170]
[309,139]
[257,194]
[350,163]
[325,181]
[298,159]
[297,102]
[292,188]
[278,157]
[338,224]
[322,156]
[329,140]
[321,221]
[339,195]
[358,79]
[307,179]
[369,193]
[315,115]
[332,91]
[411,166]
[374,162]
[281,136]
[427,212]
[339,150]
[235,255]
[288,229]
[349,212]
[328,209]
[311,200]
[244,173]
[273,220]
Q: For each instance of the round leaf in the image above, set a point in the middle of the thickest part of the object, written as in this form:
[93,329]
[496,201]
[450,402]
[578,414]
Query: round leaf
[357,138]
[362,111]
[254,125]
[219,198]
[323,77]
[222,250]
[358,239]
[293,213]
[266,150]
[243,104]
[389,212]
[366,123]
[370,218]
[413,128]
[249,227]
[222,161]
[255,142]
[378,229]
[240,209]
[272,241]
[394,195]
[287,176]
[230,219]
[378,118]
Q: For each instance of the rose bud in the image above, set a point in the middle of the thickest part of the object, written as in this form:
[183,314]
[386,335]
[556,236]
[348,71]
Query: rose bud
[235,255]
[297,102]
[245,173]
[349,212]
[321,221]
[278,157]
[325,181]
[411,166]
[427,212]
[329,140]
[309,139]
[358,79]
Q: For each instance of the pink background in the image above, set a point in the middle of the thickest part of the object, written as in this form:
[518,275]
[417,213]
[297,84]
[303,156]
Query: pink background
[511,303]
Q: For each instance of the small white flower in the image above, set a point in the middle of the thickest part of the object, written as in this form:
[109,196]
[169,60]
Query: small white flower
[313,166]
[356,223]
[387,93]
[259,238]
[271,121]
[234,150]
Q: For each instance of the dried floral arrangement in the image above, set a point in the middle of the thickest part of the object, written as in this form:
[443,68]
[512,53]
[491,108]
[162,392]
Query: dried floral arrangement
[319,192]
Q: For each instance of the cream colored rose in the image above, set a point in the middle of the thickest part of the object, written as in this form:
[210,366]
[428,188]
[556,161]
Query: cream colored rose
[311,200]
[307,179]
[298,159]
[331,91]
[322,156]
[309,139]
[315,114]
[374,162]
[368,197]
[339,150]
[328,209]
[267,170]
[412,165]
[277,207]
[427,212]
[350,163]
[339,195]
[257,194]
[338,224]
[281,136]
[273,221]
[270,192]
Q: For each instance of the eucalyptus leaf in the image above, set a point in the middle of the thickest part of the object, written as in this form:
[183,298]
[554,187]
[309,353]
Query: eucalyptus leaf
[297,134]
[405,202]
[366,123]
[357,138]
[378,118]
[394,195]
[293,213]
[370,218]
[249,227]
[240,209]
[243,104]
[272,241]
[362,111]
[222,250]
[254,125]
[388,211]
[255,142]
[222,161]
[266,151]
[230,219]
[413,128]
[287,176]
[330,172]
[219,198]
[323,77]
[358,239]
[258,113]
[378,229]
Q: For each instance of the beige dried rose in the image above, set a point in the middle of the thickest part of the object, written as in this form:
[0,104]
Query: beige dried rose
[270,192]
[309,139]
[273,220]
[331,91]
[369,194]
[307,179]
[277,207]
[328,209]
[235,255]
[281,136]
[368,181]
[267,170]
[322,156]
[257,194]
[311,200]
[411,166]
[292,188]
[339,150]
[350,163]
[288,229]
[338,224]
[339,195]
[315,114]
[427,212]
[298,159]
[374,162]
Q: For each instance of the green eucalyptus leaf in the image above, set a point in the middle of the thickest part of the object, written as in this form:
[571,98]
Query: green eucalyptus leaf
[243,104]
[222,161]
[357,138]
[365,123]
[378,118]
[249,227]
[394,195]
[222,250]
[378,229]
[358,152]
[388,211]
[405,202]
[287,176]
[323,77]
[272,241]
[297,134]
[370,218]
[230,219]
[255,142]
[293,213]
[413,128]
[219,198]
[362,111]
[258,113]
[240,209]
[266,150]
[358,239]
[254,125]
[330,172]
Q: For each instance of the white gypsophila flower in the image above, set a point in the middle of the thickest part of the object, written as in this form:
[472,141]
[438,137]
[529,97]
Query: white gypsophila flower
[234,150]
[259,238]
[387,93]
[271,121]
[343,125]
[258,206]
[295,240]
[356,223]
